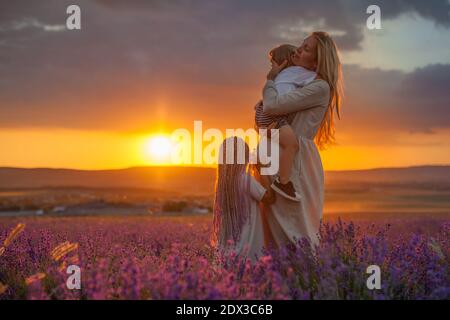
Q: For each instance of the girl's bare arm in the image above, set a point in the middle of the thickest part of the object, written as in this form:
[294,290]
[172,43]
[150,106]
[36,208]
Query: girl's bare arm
[269,196]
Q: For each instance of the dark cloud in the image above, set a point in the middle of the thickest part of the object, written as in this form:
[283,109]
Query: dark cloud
[397,101]
[346,16]
[437,11]
[426,97]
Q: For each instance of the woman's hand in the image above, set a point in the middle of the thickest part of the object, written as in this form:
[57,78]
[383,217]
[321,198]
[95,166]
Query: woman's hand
[272,126]
[276,69]
[258,104]
[269,129]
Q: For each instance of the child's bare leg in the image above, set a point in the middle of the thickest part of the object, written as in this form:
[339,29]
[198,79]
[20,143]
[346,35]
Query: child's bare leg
[289,145]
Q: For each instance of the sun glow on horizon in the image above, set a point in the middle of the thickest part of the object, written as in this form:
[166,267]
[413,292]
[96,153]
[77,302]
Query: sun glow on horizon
[158,149]
[104,150]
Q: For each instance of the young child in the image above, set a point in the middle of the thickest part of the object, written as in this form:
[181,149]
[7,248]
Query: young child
[289,79]
[238,224]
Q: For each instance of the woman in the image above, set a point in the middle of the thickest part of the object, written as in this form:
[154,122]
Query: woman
[311,110]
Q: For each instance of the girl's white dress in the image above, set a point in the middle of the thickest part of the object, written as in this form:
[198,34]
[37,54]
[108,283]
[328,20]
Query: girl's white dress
[251,241]
[289,220]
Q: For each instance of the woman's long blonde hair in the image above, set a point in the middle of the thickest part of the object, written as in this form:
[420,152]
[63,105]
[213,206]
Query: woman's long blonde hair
[329,68]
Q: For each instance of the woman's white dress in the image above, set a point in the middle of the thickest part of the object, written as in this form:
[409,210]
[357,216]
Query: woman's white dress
[288,220]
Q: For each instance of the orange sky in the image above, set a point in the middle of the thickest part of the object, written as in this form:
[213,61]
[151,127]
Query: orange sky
[62,148]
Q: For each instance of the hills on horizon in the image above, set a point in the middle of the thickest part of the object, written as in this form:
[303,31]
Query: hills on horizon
[198,180]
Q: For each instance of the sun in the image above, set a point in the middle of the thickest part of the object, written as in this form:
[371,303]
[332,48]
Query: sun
[159,148]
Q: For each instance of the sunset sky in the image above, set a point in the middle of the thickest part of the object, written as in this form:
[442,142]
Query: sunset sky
[93,98]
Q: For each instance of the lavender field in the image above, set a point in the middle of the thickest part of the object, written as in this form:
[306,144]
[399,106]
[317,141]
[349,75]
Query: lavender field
[170,258]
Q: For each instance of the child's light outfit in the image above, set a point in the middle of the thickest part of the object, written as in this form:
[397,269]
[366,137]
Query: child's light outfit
[251,240]
[286,81]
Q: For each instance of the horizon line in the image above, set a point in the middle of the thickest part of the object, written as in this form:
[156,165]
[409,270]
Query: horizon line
[211,167]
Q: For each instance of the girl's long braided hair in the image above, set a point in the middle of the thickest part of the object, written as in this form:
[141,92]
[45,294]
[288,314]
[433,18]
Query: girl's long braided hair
[232,199]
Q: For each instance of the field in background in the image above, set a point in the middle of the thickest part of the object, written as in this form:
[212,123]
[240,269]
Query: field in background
[340,199]
[160,191]
[143,233]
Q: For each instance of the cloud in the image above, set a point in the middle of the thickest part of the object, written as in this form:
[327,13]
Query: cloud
[17,25]
[291,19]
[136,63]
[235,20]
[426,97]
[395,101]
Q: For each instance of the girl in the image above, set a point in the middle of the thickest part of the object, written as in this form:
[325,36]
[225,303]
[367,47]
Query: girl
[237,219]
